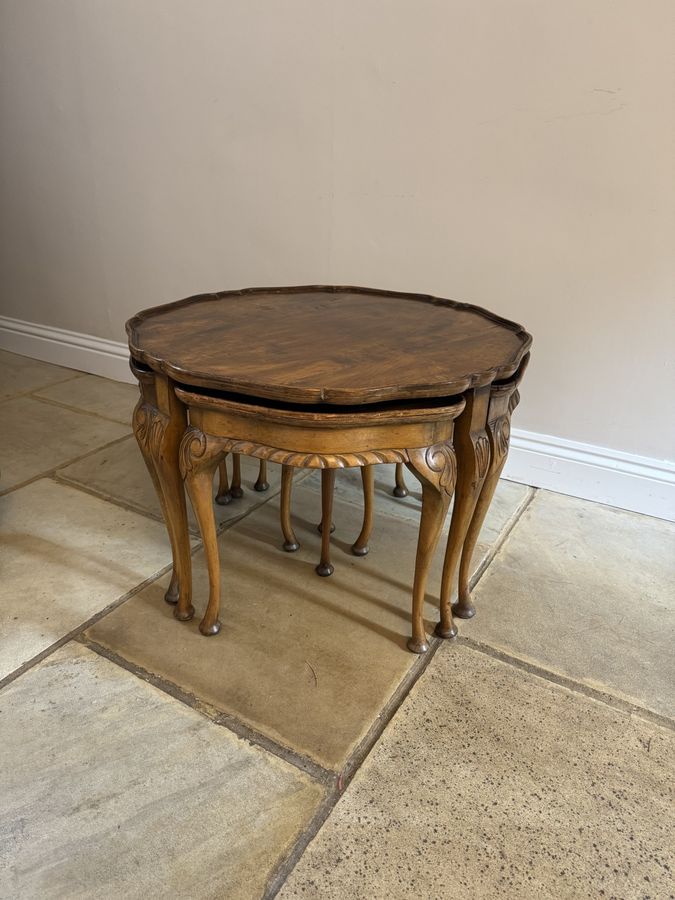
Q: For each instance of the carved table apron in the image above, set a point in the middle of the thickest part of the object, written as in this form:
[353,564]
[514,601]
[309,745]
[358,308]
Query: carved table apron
[402,358]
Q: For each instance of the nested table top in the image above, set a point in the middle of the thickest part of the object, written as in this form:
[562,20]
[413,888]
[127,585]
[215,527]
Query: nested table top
[323,344]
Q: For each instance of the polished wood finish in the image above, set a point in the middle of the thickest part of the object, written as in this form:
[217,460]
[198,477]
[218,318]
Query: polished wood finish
[291,543]
[436,470]
[330,345]
[236,490]
[327,491]
[504,398]
[473,455]
[400,489]
[339,376]
[223,495]
[262,484]
[197,469]
[159,422]
[335,439]
[360,545]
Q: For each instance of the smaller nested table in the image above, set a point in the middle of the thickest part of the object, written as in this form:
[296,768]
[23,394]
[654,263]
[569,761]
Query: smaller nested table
[327,377]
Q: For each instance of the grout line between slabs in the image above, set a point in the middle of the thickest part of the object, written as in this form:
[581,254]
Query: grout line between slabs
[196,546]
[78,409]
[44,387]
[289,862]
[54,469]
[59,478]
[605,697]
[358,756]
[92,620]
[215,715]
[334,783]
[578,687]
[388,711]
[504,535]
[351,767]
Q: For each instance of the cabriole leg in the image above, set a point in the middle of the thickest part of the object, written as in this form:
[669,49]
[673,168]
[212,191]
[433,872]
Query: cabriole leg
[473,458]
[401,489]
[236,489]
[199,457]
[139,418]
[327,490]
[290,541]
[503,400]
[262,484]
[158,427]
[223,497]
[435,468]
[360,545]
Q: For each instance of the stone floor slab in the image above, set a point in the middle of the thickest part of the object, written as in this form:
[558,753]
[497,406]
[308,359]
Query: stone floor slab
[589,592]
[491,782]
[102,396]
[65,555]
[305,660]
[39,436]
[119,473]
[111,788]
[21,374]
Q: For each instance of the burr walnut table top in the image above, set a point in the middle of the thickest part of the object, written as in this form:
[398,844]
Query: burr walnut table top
[334,345]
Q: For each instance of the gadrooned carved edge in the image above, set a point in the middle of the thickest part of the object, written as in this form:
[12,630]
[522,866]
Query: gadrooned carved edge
[149,424]
[436,464]
[198,449]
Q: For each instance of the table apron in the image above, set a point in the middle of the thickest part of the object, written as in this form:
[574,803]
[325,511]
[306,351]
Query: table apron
[327,440]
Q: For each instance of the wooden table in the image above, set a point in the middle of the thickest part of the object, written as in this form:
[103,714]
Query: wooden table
[326,377]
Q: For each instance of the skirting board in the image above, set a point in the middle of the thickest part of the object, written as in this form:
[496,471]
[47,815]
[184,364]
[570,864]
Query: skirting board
[625,480]
[71,349]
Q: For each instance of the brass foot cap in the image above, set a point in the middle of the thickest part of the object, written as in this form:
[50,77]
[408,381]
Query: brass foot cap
[261,486]
[324,570]
[360,551]
[184,617]
[416,646]
[208,630]
[291,547]
[319,527]
[236,493]
[446,633]
[400,492]
[224,499]
[463,612]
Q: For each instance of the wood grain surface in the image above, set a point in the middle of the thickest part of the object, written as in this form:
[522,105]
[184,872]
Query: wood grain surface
[322,344]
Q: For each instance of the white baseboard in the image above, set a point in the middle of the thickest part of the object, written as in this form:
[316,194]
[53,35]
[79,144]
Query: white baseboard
[625,480]
[71,349]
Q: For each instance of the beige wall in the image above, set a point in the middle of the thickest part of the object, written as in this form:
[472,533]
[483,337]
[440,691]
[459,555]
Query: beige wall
[515,154]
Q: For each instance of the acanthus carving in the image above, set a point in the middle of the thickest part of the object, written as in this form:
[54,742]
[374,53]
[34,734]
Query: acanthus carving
[149,425]
[501,432]
[198,450]
[482,452]
[436,464]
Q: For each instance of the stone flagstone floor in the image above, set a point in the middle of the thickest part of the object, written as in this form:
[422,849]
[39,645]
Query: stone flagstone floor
[304,752]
